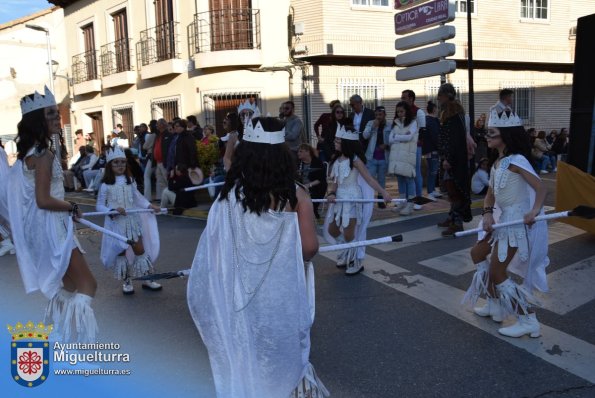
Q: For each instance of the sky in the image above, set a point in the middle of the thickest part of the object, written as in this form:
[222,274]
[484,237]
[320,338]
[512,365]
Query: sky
[13,9]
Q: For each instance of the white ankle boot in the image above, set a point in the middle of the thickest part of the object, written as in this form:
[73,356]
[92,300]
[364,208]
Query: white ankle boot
[491,308]
[6,247]
[526,324]
[407,209]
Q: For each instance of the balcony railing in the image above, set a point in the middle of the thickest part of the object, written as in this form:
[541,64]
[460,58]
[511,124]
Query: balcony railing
[158,44]
[228,29]
[84,67]
[115,57]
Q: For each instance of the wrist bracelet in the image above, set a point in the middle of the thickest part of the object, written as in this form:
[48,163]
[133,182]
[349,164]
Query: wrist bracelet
[74,209]
[487,210]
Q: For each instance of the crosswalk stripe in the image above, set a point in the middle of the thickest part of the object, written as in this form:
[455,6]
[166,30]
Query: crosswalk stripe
[459,262]
[570,287]
[554,346]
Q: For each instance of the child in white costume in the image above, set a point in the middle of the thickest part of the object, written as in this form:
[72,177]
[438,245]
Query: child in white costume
[515,192]
[49,255]
[251,287]
[350,179]
[118,192]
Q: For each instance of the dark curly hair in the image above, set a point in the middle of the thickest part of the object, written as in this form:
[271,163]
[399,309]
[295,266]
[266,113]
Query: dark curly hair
[32,130]
[517,141]
[264,174]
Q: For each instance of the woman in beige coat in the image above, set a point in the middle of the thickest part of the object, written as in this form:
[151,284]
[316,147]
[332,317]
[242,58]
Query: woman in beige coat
[403,150]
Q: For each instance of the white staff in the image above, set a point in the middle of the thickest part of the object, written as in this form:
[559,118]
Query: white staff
[324,249]
[358,201]
[213,184]
[579,211]
[104,231]
[115,212]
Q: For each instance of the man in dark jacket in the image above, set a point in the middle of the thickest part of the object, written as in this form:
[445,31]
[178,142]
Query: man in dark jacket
[182,149]
[360,116]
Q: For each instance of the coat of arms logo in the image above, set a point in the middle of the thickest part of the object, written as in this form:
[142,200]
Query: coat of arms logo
[29,353]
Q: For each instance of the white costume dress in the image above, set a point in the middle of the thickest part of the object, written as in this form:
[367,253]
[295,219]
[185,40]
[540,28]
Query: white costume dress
[4,171]
[252,300]
[350,185]
[44,242]
[133,226]
[514,198]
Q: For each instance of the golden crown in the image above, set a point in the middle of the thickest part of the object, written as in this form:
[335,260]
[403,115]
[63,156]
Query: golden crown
[30,331]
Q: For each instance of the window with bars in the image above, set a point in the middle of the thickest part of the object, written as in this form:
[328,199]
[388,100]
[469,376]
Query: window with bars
[371,92]
[378,3]
[523,102]
[167,109]
[461,6]
[217,105]
[124,115]
[535,9]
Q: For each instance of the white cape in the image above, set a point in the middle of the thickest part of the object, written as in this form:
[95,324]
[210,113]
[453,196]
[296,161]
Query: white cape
[533,269]
[254,317]
[361,229]
[4,170]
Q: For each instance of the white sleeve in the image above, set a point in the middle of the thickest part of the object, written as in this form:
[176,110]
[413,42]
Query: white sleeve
[139,200]
[102,199]
[421,119]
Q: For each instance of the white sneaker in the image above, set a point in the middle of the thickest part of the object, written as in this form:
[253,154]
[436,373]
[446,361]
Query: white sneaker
[543,171]
[435,194]
[6,247]
[342,263]
[417,207]
[151,285]
[354,268]
[526,324]
[399,206]
[555,170]
[127,287]
[491,308]
[88,190]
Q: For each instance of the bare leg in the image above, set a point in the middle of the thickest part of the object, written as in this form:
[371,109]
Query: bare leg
[79,274]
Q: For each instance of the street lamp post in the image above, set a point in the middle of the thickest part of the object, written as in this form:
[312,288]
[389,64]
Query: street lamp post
[49,49]
[55,137]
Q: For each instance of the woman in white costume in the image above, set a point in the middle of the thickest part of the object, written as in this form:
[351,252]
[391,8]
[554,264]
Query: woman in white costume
[515,192]
[6,245]
[251,287]
[119,192]
[49,255]
[350,179]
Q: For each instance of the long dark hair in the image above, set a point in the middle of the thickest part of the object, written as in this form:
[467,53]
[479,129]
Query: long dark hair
[517,142]
[32,130]
[110,178]
[408,113]
[350,148]
[262,174]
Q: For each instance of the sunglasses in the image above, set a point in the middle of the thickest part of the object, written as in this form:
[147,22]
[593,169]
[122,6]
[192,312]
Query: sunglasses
[492,136]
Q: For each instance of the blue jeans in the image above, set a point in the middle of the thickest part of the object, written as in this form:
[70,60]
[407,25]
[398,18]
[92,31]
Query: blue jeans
[377,169]
[406,187]
[433,162]
[543,163]
[419,179]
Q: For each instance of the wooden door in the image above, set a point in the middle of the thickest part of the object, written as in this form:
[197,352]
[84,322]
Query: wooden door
[121,44]
[98,136]
[90,53]
[231,24]
[164,29]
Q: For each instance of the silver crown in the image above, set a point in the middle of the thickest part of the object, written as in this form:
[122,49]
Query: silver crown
[248,106]
[258,135]
[346,135]
[116,153]
[504,120]
[38,102]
